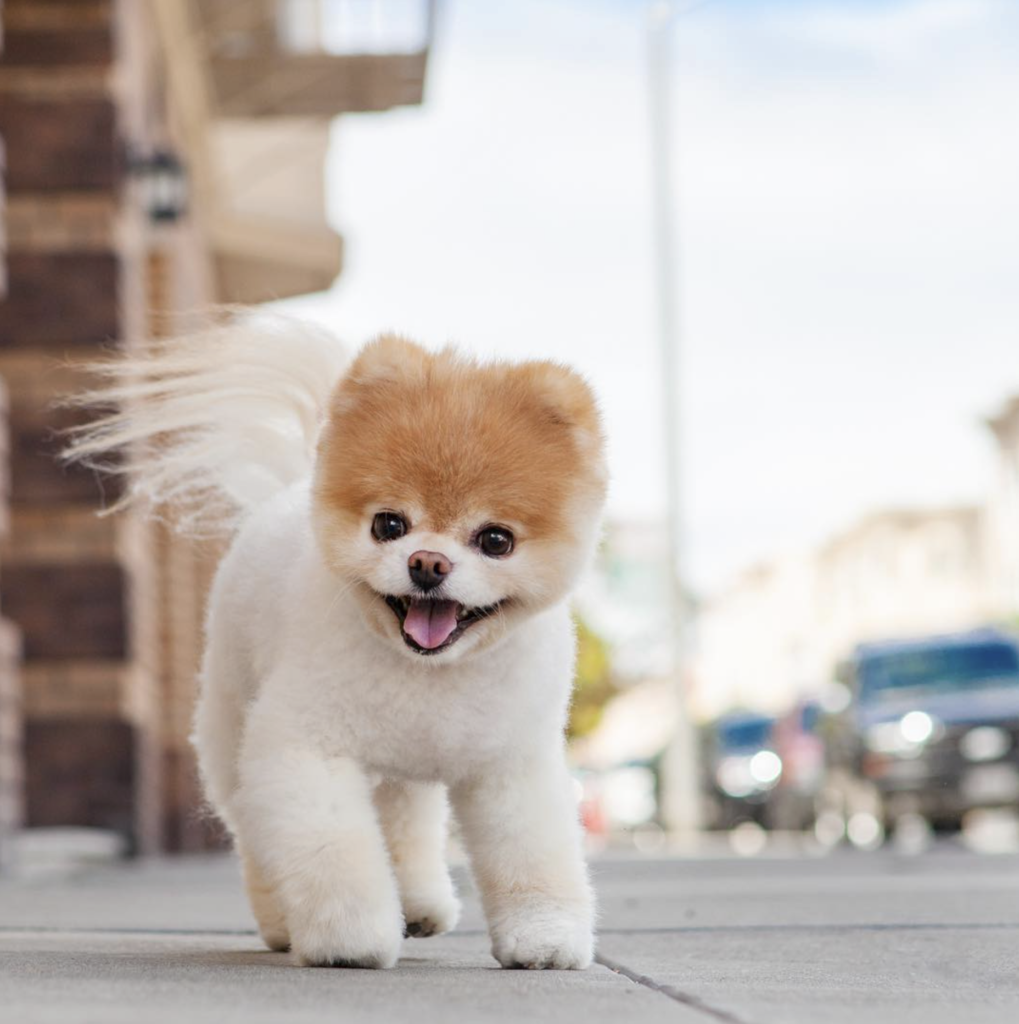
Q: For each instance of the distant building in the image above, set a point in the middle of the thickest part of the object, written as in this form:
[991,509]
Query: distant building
[779,631]
[625,598]
[1003,510]
[755,647]
[902,572]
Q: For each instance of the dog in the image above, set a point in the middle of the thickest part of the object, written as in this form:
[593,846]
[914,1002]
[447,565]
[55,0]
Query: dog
[388,634]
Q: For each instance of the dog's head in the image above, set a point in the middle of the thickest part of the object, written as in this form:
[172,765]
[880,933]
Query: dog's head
[457,498]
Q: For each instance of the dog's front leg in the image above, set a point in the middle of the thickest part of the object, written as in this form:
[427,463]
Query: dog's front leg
[414,817]
[308,822]
[520,824]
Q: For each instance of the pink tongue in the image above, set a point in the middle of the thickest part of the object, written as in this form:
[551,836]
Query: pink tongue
[430,623]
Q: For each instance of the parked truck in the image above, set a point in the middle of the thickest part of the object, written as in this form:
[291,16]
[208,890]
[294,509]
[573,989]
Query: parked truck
[930,727]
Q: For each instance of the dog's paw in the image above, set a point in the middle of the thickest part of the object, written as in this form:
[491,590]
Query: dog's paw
[544,939]
[430,913]
[348,933]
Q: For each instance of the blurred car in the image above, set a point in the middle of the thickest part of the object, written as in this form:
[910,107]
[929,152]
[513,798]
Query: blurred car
[792,802]
[931,728]
[741,768]
[621,804]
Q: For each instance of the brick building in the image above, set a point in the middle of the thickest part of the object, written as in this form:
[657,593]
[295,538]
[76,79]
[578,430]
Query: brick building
[104,105]
[11,763]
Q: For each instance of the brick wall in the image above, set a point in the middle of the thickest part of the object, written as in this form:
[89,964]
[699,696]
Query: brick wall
[82,590]
[11,739]
[11,745]
[3,190]
[110,608]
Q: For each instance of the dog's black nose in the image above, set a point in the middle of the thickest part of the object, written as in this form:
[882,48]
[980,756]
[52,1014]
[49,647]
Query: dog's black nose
[428,568]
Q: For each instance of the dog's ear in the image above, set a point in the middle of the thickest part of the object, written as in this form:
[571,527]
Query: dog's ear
[566,397]
[568,403]
[388,359]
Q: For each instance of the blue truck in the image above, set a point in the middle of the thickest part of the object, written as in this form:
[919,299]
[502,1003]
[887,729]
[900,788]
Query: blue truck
[931,726]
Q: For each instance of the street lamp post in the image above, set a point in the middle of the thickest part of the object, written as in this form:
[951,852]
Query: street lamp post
[680,785]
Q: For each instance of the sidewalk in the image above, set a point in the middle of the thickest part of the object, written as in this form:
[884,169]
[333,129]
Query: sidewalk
[851,937]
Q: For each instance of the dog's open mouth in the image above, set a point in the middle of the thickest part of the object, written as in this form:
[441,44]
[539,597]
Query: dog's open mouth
[429,626]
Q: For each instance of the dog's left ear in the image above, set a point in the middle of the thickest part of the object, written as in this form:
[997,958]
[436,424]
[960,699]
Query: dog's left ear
[567,396]
[567,401]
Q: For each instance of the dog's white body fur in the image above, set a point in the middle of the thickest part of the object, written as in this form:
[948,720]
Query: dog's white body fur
[331,752]
[304,715]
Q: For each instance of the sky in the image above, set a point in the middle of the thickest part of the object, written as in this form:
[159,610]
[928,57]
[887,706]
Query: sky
[847,220]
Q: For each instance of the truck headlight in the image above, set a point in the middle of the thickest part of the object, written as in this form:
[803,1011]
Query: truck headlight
[916,727]
[985,743]
[906,737]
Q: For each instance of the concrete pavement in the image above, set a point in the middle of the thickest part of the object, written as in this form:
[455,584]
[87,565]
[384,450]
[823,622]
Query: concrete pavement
[847,937]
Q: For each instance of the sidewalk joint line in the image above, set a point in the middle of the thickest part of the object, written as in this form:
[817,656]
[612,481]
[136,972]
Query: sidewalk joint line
[883,926]
[675,994]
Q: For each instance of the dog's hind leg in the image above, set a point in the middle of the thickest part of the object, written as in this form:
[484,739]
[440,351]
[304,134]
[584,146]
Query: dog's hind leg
[414,818]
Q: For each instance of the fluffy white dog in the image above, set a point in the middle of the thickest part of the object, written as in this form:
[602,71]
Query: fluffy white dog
[388,632]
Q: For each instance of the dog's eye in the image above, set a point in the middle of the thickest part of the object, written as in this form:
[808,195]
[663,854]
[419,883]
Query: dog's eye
[495,541]
[388,526]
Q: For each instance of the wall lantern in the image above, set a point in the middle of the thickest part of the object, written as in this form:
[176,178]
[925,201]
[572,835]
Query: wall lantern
[163,183]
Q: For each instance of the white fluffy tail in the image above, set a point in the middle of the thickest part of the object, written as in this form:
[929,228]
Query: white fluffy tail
[212,424]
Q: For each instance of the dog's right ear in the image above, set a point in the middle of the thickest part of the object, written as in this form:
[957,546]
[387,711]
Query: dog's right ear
[388,359]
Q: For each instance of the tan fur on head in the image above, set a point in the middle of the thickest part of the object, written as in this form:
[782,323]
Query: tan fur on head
[453,435]
[454,444]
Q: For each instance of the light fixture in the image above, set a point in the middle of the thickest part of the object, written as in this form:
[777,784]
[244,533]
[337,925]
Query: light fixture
[916,727]
[163,184]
